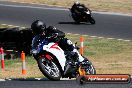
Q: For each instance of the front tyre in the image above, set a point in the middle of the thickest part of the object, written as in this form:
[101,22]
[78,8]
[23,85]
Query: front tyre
[49,68]
[91,20]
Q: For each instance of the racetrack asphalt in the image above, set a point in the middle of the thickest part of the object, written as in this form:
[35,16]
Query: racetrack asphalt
[44,83]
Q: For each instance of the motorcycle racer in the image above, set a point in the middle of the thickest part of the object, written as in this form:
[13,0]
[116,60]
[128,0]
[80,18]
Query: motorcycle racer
[80,13]
[52,34]
[76,8]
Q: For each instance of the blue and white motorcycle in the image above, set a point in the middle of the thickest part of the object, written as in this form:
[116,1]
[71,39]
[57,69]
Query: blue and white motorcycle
[53,63]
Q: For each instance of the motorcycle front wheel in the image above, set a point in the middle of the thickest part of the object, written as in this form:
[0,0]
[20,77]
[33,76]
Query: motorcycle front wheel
[91,20]
[49,68]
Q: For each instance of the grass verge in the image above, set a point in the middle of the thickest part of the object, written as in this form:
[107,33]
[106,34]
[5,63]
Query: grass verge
[123,6]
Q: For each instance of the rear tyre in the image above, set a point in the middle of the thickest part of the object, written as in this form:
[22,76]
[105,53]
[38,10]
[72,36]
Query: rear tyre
[89,68]
[75,18]
[81,80]
[49,68]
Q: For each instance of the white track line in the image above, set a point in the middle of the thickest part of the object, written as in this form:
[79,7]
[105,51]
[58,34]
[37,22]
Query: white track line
[4,24]
[38,78]
[2,79]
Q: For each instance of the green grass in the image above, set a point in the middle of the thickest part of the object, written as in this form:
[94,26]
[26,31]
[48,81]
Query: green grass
[108,56]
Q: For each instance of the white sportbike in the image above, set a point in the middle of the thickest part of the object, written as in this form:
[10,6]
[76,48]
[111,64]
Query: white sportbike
[53,63]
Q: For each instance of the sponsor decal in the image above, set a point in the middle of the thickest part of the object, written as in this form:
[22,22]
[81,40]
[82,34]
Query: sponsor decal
[107,78]
[55,46]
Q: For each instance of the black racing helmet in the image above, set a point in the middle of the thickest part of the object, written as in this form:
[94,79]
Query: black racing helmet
[38,27]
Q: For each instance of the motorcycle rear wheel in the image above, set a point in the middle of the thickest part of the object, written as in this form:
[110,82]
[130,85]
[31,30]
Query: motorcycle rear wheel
[49,68]
[81,80]
[91,70]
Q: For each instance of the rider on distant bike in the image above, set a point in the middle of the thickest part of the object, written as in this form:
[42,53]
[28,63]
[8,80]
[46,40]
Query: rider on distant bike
[76,8]
[52,35]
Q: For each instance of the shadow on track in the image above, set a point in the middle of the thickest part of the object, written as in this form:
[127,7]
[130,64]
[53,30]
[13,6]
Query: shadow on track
[74,23]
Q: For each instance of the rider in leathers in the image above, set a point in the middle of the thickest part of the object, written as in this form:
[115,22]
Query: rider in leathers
[76,8]
[52,35]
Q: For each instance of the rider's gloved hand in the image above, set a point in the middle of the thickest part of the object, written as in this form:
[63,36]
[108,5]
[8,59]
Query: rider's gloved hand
[54,35]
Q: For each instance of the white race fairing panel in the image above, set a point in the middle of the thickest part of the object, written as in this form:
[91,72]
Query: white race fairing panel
[56,51]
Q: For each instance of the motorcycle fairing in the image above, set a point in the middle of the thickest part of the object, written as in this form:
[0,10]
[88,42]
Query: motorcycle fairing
[56,51]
